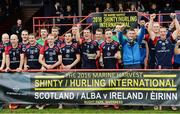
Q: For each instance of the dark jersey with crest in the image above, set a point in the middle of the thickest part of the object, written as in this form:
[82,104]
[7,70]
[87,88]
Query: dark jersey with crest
[109,50]
[164,52]
[50,54]
[68,53]
[58,42]
[23,46]
[88,48]
[32,55]
[14,55]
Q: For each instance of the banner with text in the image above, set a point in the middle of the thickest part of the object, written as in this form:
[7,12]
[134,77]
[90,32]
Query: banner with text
[92,88]
[111,19]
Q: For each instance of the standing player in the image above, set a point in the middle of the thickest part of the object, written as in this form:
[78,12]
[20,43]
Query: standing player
[32,53]
[24,36]
[164,45]
[110,51]
[177,55]
[99,36]
[164,48]
[153,30]
[14,55]
[2,57]
[14,59]
[110,54]
[55,33]
[89,51]
[5,39]
[42,39]
[5,42]
[70,53]
[49,55]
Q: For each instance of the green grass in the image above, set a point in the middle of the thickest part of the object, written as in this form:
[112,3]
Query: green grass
[92,110]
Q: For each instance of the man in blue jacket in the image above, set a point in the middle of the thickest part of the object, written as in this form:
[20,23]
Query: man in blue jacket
[130,47]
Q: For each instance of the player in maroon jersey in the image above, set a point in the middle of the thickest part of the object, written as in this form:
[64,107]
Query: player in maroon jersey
[14,55]
[49,54]
[70,53]
[32,53]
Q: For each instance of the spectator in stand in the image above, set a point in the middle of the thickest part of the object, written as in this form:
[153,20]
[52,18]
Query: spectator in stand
[48,8]
[58,11]
[120,7]
[17,29]
[69,19]
[132,7]
[4,8]
[15,4]
[108,8]
[153,9]
[97,9]
[167,9]
[140,7]
[70,53]
[99,36]
[42,39]
[130,47]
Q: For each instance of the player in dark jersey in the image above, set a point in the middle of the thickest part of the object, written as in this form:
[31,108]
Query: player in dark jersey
[177,55]
[14,59]
[49,55]
[110,51]
[5,42]
[25,42]
[164,48]
[32,53]
[76,34]
[70,53]
[2,57]
[14,55]
[110,54]
[55,32]
[89,51]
